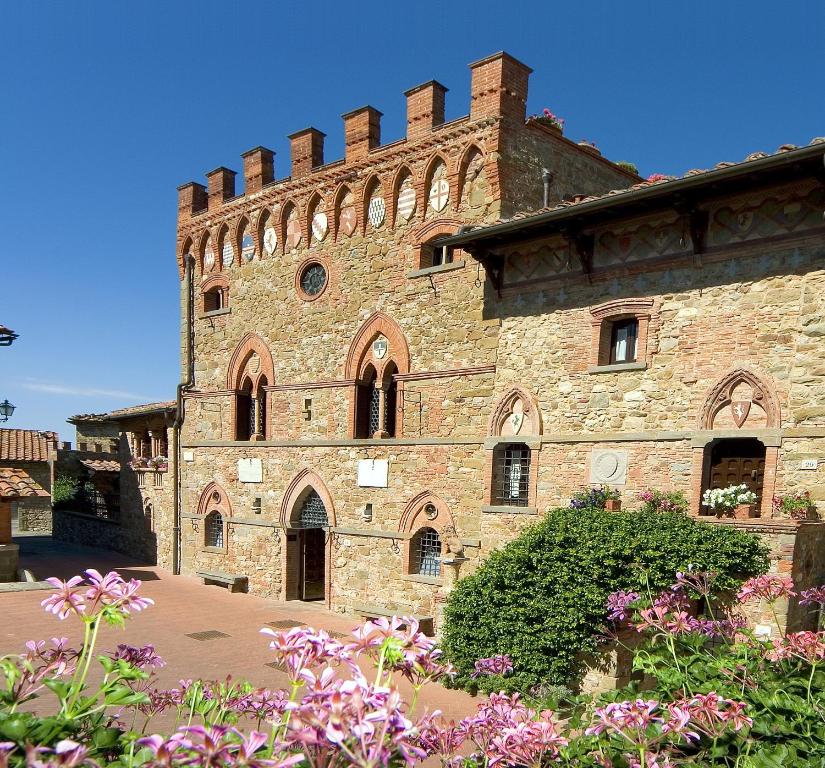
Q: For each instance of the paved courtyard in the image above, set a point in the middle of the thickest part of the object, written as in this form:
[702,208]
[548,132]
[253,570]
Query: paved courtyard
[183,607]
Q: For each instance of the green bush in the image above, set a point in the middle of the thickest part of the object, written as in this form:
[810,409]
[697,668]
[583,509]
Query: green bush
[541,599]
[628,166]
[64,489]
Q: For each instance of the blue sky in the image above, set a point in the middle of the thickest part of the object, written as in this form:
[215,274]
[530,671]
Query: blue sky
[109,106]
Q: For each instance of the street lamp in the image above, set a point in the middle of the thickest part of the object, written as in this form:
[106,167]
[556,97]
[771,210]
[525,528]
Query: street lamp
[6,410]
[7,336]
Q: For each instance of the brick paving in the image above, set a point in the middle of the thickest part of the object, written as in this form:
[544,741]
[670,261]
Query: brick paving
[183,606]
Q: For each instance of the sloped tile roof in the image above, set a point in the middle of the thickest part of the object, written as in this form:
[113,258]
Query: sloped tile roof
[25,444]
[18,484]
[101,465]
[123,413]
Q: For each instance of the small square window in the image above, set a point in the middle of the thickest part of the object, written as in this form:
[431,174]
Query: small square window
[623,337]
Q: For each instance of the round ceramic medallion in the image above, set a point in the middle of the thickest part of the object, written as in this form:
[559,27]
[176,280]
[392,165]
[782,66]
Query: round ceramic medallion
[376,211]
[313,279]
[247,248]
[228,254]
[320,226]
[270,240]
[208,258]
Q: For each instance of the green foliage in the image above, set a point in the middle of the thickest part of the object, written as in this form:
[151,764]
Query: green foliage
[64,489]
[541,599]
[628,166]
[594,497]
[663,501]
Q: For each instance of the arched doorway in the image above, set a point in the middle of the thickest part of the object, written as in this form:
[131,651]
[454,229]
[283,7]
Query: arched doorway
[736,461]
[311,523]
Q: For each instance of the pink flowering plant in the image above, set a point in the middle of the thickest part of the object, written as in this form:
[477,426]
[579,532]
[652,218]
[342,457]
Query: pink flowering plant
[662,501]
[714,693]
[548,118]
[797,505]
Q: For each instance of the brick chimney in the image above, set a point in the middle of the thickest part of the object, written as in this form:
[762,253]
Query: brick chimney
[221,186]
[425,108]
[307,150]
[499,87]
[362,132]
[258,168]
[191,199]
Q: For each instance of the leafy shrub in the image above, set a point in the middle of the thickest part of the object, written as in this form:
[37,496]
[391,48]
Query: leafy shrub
[662,501]
[65,489]
[541,599]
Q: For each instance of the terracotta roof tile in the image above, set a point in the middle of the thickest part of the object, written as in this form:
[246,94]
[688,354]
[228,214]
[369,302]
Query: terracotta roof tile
[122,413]
[18,484]
[25,444]
[101,465]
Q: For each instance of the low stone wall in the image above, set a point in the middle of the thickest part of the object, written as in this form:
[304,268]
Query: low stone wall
[78,528]
[9,561]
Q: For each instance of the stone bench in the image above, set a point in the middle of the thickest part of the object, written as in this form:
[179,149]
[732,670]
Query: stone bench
[234,582]
[372,611]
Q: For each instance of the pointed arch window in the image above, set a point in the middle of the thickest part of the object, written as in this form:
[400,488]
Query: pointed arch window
[313,513]
[245,410]
[367,405]
[426,552]
[213,530]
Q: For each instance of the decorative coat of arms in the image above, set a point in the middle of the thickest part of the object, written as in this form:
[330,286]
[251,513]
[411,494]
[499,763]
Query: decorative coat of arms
[379,348]
[228,254]
[293,233]
[270,240]
[347,220]
[208,258]
[376,211]
[406,203]
[739,410]
[320,226]
[439,194]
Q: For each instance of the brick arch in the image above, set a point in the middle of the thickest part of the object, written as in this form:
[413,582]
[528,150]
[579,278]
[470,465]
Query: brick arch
[392,207]
[307,479]
[413,517]
[286,209]
[249,344]
[644,309]
[377,324]
[205,237]
[187,247]
[315,199]
[426,182]
[224,232]
[214,497]
[464,160]
[265,216]
[338,198]
[371,184]
[243,223]
[764,395]
[504,407]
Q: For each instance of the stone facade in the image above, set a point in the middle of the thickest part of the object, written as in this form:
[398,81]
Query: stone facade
[128,507]
[32,452]
[402,390]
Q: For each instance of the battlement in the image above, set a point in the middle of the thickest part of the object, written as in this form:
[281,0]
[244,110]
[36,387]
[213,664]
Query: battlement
[498,90]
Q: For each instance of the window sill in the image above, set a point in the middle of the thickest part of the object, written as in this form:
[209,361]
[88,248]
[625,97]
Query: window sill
[436,270]
[436,581]
[215,313]
[617,367]
[508,510]
[214,550]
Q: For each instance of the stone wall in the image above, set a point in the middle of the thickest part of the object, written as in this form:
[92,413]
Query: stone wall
[34,515]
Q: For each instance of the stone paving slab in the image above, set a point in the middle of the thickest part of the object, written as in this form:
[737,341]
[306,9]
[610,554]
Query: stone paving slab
[183,607]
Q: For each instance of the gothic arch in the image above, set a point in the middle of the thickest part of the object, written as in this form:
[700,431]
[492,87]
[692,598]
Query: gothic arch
[286,211]
[531,424]
[305,481]
[764,396]
[376,325]
[338,199]
[414,515]
[316,201]
[401,174]
[247,346]
[187,247]
[265,217]
[242,226]
[224,235]
[214,497]
[203,241]
[373,183]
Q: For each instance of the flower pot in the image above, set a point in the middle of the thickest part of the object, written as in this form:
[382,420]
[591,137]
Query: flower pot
[803,515]
[745,511]
[613,505]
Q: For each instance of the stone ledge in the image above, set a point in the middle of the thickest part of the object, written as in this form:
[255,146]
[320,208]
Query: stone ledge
[499,509]
[617,367]
[436,269]
[25,586]
[214,313]
[434,581]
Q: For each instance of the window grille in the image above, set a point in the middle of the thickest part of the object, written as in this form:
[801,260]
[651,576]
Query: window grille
[512,474]
[214,529]
[251,406]
[141,479]
[261,424]
[313,512]
[157,479]
[427,554]
[375,410]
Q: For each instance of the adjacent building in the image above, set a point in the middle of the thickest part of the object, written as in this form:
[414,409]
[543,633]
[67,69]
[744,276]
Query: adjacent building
[28,456]
[389,368]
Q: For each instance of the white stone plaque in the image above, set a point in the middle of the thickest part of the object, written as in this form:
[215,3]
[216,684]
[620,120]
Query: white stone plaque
[250,471]
[188,455]
[373,473]
[608,466]
[808,463]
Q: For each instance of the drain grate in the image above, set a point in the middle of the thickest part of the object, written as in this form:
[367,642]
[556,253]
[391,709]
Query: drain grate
[209,634]
[283,624]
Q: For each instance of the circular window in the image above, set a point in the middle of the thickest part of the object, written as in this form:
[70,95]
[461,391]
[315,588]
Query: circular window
[312,279]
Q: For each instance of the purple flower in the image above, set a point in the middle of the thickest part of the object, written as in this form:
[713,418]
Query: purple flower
[142,658]
[618,604]
[500,664]
[65,600]
[814,596]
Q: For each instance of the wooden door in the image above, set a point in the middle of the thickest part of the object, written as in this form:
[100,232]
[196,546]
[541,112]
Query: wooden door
[738,462]
[313,564]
